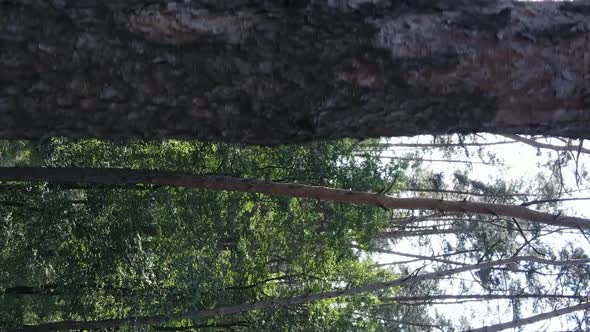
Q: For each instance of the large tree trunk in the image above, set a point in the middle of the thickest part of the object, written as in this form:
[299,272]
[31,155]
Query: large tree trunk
[117,176]
[271,72]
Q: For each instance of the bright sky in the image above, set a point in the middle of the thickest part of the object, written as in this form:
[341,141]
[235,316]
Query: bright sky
[520,161]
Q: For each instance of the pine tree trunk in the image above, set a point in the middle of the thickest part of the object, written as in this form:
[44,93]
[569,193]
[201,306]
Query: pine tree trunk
[272,72]
[118,176]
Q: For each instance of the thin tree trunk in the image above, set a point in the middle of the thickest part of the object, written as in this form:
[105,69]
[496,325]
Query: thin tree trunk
[52,290]
[404,233]
[533,319]
[420,257]
[485,297]
[398,322]
[541,145]
[128,176]
[401,221]
[227,326]
[434,145]
[19,204]
[27,290]
[285,301]
[273,72]
[433,160]
[554,200]
[461,192]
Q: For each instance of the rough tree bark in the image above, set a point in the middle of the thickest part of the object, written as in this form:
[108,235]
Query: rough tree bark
[271,72]
[119,176]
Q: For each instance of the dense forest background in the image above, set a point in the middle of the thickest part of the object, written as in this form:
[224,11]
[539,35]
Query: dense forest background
[153,257]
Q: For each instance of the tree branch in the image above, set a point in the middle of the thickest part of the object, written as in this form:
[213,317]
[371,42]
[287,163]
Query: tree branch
[553,200]
[420,257]
[541,145]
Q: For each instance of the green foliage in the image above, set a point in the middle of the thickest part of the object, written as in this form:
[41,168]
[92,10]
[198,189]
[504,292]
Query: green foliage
[91,252]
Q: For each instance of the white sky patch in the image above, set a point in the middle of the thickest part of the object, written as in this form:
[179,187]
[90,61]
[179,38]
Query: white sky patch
[519,161]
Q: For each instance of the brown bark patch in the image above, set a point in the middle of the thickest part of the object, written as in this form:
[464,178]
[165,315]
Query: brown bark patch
[177,23]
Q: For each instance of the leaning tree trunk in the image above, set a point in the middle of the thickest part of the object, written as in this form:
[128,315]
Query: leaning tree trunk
[291,301]
[117,176]
[271,72]
[533,319]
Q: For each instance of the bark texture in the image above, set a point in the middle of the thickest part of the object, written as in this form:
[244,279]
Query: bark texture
[108,176]
[272,72]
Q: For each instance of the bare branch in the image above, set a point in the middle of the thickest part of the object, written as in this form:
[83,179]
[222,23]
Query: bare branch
[541,145]
[552,200]
[420,257]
